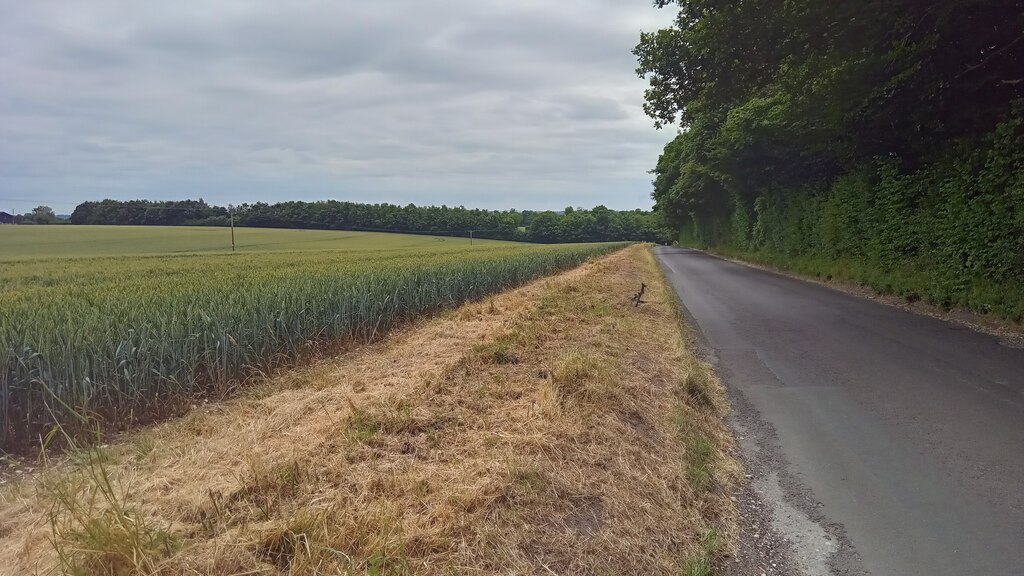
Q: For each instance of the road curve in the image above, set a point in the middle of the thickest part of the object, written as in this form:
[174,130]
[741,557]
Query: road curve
[898,434]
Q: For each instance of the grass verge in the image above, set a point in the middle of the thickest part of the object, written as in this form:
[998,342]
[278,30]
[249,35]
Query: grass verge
[555,428]
[909,283]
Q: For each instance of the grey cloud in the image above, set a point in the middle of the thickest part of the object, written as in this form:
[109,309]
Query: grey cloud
[494,103]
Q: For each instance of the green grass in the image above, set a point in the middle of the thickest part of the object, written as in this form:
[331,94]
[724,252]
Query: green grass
[702,563]
[120,338]
[21,242]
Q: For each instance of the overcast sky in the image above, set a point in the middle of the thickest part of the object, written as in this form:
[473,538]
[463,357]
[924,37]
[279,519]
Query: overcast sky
[485,103]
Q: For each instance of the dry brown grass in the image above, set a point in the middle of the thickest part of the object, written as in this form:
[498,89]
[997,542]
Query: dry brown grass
[553,429]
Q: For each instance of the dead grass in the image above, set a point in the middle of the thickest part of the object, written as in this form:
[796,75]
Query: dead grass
[553,429]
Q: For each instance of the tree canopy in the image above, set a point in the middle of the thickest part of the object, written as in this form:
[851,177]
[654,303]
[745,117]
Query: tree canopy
[789,93]
[885,133]
[42,215]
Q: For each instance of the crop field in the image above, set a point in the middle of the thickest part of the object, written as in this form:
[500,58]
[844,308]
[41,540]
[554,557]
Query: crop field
[95,338]
[21,242]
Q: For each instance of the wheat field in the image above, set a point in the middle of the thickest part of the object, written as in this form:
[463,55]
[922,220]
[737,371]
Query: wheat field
[100,339]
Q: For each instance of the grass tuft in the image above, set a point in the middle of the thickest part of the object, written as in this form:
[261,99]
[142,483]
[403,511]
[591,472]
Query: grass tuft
[501,350]
[699,386]
[94,528]
[326,542]
[579,375]
[701,563]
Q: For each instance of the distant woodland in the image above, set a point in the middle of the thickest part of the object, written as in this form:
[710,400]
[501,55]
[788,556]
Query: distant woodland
[573,225]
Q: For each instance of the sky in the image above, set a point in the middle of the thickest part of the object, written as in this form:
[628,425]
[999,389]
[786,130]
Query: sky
[528,104]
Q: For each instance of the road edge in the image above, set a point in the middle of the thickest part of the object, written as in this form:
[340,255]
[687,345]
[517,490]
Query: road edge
[1007,333]
[762,547]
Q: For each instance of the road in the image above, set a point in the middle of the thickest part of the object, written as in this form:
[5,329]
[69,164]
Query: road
[898,438]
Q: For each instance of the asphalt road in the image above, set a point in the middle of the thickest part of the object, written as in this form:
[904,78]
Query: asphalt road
[899,437]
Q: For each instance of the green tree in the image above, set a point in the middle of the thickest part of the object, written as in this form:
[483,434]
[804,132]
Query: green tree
[883,135]
[42,215]
[544,227]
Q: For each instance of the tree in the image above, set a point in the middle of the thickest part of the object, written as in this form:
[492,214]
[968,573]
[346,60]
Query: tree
[890,134]
[42,215]
[544,227]
[578,226]
[790,94]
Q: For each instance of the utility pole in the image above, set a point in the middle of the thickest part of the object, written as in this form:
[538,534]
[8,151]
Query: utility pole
[470,237]
[231,211]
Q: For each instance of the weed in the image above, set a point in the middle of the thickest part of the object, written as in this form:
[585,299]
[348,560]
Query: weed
[700,451]
[95,529]
[394,417]
[702,562]
[499,351]
[698,386]
[528,479]
[143,446]
[600,309]
[697,566]
[700,454]
[580,376]
[317,542]
[361,426]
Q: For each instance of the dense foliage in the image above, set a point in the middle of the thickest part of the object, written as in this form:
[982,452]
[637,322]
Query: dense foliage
[119,338]
[573,225]
[878,141]
[38,215]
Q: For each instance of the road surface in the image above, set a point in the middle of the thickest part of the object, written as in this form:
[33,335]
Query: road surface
[895,441]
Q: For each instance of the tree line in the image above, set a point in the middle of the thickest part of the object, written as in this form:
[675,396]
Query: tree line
[599,224]
[880,141]
[38,215]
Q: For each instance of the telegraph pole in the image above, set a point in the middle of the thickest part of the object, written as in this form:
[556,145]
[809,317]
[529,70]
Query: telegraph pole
[470,237]
[231,212]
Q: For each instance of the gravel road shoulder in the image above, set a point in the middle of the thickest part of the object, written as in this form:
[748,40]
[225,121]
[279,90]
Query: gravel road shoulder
[782,528]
